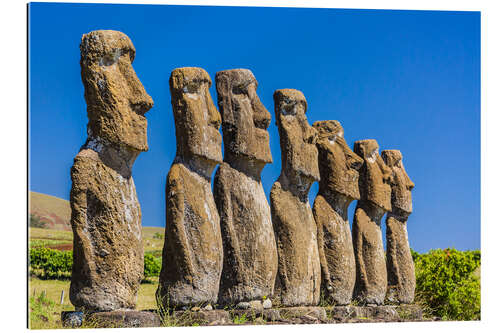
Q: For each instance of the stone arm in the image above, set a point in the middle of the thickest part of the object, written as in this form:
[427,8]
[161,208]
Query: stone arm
[276,195]
[357,240]
[80,176]
[390,224]
[176,231]
[386,171]
[222,196]
[319,218]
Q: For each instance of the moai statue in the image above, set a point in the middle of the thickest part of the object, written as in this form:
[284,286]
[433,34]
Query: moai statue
[400,268]
[299,271]
[108,258]
[338,187]
[375,192]
[192,253]
[250,257]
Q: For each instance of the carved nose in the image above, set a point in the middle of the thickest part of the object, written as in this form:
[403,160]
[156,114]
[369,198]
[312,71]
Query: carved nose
[311,135]
[261,117]
[143,105]
[140,101]
[356,165]
[213,115]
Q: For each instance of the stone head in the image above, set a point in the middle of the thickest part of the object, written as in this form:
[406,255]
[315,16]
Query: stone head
[299,155]
[338,164]
[116,99]
[374,176]
[197,121]
[244,118]
[401,184]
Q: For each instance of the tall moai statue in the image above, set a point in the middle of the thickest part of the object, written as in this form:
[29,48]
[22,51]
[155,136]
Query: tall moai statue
[250,257]
[375,201]
[338,187]
[192,253]
[108,258]
[400,268]
[299,271]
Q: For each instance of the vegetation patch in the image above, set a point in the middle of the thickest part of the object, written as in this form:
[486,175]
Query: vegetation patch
[48,263]
[447,283]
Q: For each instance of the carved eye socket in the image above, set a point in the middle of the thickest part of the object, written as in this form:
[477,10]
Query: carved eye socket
[288,109]
[332,138]
[192,87]
[240,89]
[110,58]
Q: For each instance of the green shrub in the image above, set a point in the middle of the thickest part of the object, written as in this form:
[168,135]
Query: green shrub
[50,264]
[152,265]
[54,264]
[446,285]
[158,235]
[35,222]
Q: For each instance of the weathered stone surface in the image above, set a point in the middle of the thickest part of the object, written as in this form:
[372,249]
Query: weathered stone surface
[124,319]
[105,213]
[400,267]
[192,253]
[117,318]
[338,187]
[299,272]
[72,318]
[315,312]
[267,304]
[385,313]
[213,317]
[250,257]
[375,191]
[189,318]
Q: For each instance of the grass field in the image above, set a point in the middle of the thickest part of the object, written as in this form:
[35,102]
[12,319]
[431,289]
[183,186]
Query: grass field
[45,311]
[45,295]
[152,238]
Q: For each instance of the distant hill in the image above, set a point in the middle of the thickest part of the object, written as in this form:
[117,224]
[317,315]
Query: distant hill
[54,211]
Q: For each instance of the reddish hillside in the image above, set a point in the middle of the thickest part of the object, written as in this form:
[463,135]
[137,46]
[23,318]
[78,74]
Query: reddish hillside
[54,211]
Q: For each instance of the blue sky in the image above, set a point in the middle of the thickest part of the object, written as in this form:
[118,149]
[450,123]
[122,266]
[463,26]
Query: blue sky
[409,79]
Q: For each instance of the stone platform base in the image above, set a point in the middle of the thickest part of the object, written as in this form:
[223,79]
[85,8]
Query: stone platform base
[283,316]
[112,319]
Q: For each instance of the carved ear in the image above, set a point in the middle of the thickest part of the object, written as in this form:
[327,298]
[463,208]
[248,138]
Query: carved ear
[387,173]
[359,149]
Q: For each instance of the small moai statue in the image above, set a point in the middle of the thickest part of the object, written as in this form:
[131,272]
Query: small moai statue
[338,187]
[250,257]
[375,201]
[108,258]
[299,272]
[400,267]
[192,252]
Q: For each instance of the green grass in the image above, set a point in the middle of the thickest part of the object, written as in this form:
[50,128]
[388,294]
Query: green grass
[45,311]
[239,320]
[51,234]
[50,237]
[47,242]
